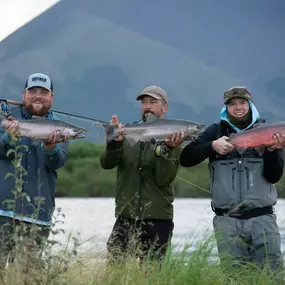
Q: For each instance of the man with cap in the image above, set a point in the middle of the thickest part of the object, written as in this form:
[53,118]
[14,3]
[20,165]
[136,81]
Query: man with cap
[40,161]
[144,193]
[242,185]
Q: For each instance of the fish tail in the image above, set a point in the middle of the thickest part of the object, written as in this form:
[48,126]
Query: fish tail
[2,116]
[110,132]
[3,119]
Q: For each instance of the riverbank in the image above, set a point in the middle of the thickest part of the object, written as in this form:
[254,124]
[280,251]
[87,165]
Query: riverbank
[82,176]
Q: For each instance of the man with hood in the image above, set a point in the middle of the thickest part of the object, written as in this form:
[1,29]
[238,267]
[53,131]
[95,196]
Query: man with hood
[242,185]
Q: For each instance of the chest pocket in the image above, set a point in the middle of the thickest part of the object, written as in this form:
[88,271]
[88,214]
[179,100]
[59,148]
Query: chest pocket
[223,186]
[254,180]
[141,154]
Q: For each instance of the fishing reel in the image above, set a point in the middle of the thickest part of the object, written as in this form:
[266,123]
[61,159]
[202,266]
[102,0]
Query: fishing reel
[4,108]
[160,149]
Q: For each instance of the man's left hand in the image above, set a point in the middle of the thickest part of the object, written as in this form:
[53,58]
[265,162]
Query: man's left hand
[279,142]
[175,140]
[53,139]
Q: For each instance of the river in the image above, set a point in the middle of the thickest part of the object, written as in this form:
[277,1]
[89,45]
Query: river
[90,220]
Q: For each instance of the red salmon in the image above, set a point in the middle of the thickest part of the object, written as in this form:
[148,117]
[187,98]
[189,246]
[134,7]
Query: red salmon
[259,137]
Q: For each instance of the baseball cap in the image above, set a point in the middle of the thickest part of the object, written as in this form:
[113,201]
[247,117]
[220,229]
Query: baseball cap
[39,80]
[155,92]
[237,92]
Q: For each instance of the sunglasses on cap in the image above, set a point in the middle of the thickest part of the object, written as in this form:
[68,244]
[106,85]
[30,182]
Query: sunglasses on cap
[237,92]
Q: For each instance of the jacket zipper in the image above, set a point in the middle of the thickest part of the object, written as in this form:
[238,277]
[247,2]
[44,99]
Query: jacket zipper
[239,179]
[140,181]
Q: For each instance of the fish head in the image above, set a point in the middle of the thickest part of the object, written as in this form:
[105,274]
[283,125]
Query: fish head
[194,129]
[74,132]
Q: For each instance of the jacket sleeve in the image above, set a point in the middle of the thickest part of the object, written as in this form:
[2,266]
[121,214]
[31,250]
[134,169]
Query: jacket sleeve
[200,149]
[166,168]
[56,157]
[273,165]
[111,157]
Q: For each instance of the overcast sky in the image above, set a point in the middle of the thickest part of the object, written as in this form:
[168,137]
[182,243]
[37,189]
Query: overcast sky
[16,13]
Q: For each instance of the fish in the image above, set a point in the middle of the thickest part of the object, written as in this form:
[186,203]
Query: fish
[258,138]
[39,128]
[156,130]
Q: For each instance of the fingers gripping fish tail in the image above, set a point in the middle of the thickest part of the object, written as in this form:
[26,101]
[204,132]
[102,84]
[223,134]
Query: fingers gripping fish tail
[110,131]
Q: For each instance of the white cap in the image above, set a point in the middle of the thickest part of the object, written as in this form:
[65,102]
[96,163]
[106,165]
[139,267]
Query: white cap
[39,80]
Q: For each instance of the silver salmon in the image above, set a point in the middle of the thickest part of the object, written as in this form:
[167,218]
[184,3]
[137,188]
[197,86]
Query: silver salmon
[40,129]
[157,130]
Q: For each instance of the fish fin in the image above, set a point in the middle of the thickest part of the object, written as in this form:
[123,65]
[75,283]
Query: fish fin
[257,125]
[151,118]
[132,140]
[3,119]
[260,150]
[240,149]
[153,141]
[110,131]
[37,117]
[231,136]
[36,142]
[2,116]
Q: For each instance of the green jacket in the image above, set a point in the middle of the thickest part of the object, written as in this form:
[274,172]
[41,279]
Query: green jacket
[143,188]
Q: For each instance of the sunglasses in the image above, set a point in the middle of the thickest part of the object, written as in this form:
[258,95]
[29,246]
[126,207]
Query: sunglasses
[237,91]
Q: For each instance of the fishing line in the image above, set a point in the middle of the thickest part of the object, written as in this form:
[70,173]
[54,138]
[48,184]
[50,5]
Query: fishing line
[186,181]
[93,136]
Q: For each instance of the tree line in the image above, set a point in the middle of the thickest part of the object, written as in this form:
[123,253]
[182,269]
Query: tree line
[82,176]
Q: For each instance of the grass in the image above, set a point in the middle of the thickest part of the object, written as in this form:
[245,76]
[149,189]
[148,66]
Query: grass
[178,269]
[65,266]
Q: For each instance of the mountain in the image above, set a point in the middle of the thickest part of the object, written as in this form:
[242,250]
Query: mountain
[101,54]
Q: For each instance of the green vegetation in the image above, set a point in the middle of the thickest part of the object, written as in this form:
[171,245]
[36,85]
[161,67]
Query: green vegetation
[82,176]
[177,269]
[49,265]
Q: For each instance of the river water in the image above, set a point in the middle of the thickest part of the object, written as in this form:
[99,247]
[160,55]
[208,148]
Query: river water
[90,220]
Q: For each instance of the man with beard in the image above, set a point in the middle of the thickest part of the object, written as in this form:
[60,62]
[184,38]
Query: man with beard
[242,185]
[33,201]
[144,194]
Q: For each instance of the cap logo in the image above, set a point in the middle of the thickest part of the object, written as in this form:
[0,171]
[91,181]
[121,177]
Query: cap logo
[39,79]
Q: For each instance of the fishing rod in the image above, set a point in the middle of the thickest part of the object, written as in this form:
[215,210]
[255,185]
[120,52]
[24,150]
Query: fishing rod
[5,109]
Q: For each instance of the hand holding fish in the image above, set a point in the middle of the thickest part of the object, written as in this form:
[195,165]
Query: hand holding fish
[221,146]
[54,138]
[175,140]
[12,127]
[120,134]
[279,142]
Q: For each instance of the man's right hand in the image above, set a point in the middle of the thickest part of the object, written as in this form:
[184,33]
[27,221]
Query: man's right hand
[120,133]
[221,146]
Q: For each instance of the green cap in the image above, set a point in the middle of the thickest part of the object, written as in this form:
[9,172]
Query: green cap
[237,92]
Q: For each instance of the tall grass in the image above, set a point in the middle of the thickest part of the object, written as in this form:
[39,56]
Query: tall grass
[174,269]
[55,264]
